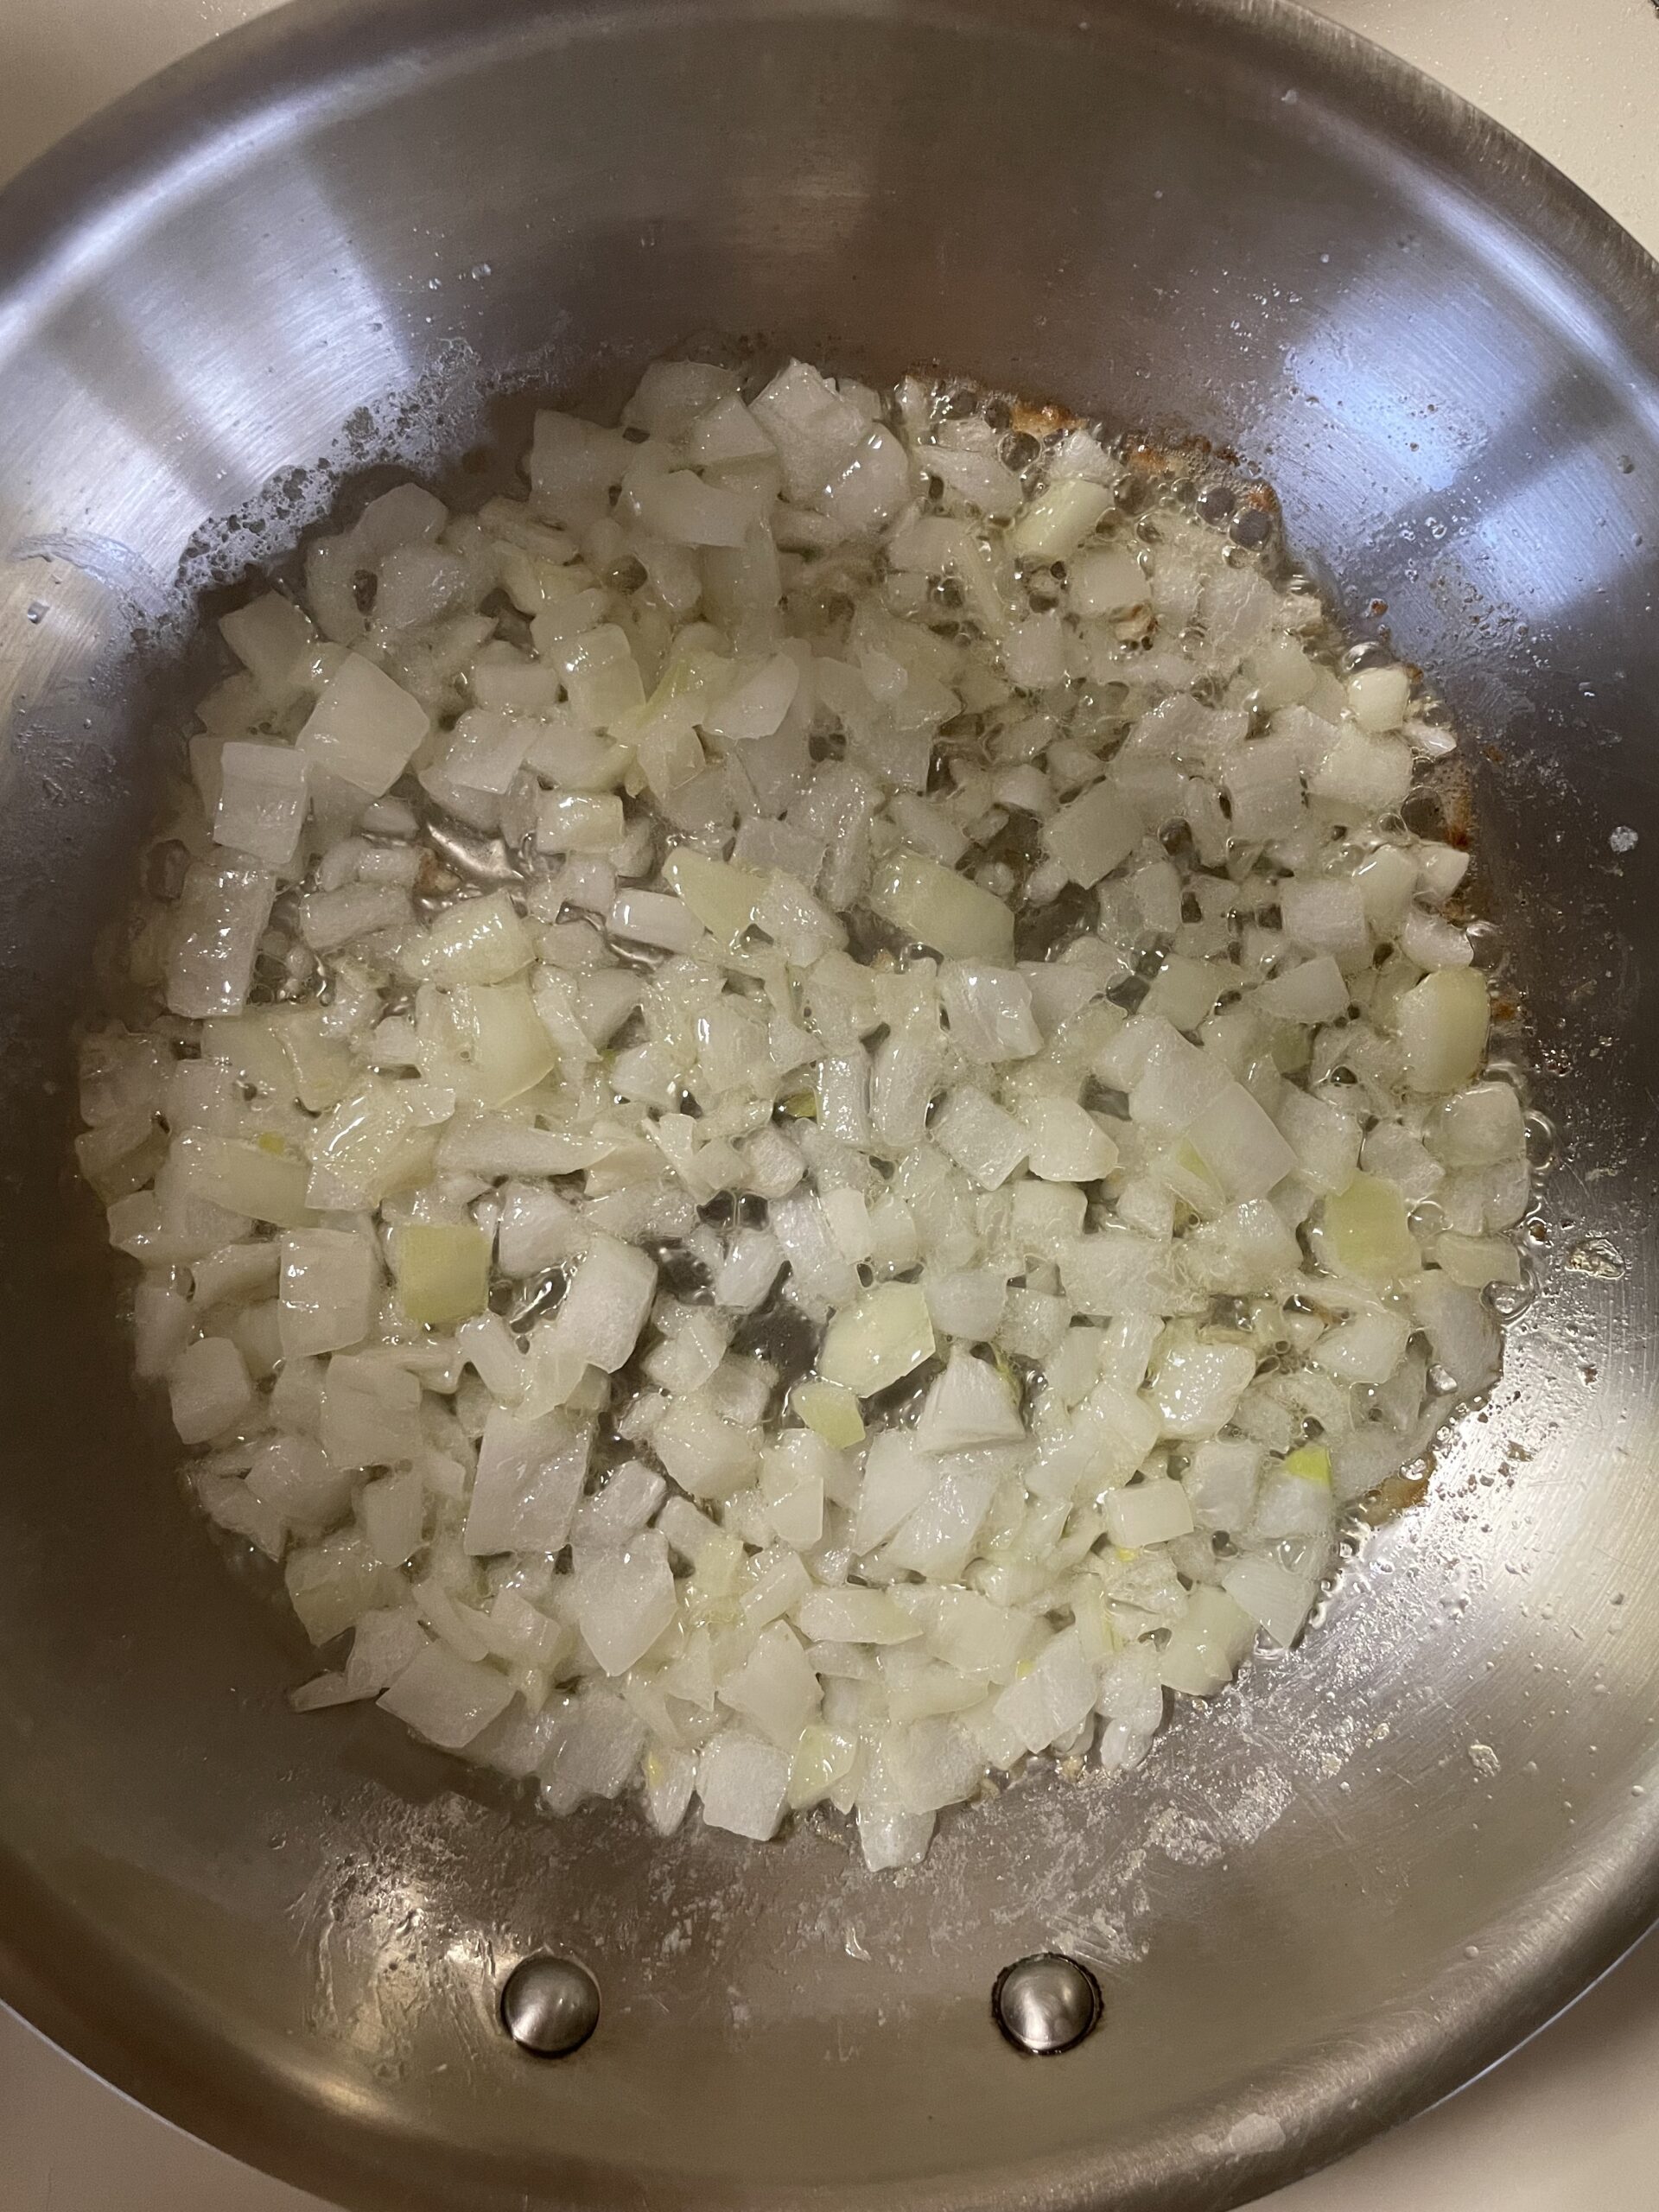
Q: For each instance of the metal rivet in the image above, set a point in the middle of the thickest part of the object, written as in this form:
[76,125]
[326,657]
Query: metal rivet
[1046,2004]
[549,2006]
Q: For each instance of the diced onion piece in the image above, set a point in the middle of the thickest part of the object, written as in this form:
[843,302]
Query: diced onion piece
[936,907]
[263,798]
[1114,1272]
[382,1139]
[1056,524]
[1443,1023]
[937,1539]
[441,1270]
[332,1585]
[1387,882]
[989,1011]
[1430,941]
[1206,1646]
[794,1495]
[1238,1143]
[877,1342]
[1176,1080]
[706,1455]
[1311,1464]
[814,431]
[1152,1512]
[743,1784]
[1263,783]
[1367,1231]
[748,1271]
[448,1700]
[1312,992]
[896,1480]
[1440,869]
[723,898]
[394,1516]
[1366,1347]
[650,917]
[1325,1140]
[480,941]
[980,479]
[271,637]
[209,1389]
[1478,1127]
[1475,1261]
[221,916]
[505,1046]
[1067,1144]
[606,1306]
[1372,773]
[162,1327]
[370,1412]
[872,486]
[573,758]
[529,1475]
[1091,836]
[757,703]
[851,1615]
[672,396]
[1462,1334]
[823,1758]
[1326,916]
[775,1688]
[258,1177]
[1104,583]
[889,1835]
[329,919]
[680,508]
[624,1601]
[1195,1386]
[969,1404]
[579,822]
[327,1289]
[847,1211]
[1033,652]
[1378,697]
[480,758]
[596,1750]
[1273,1597]
[968,1302]
[1220,1482]
[727,431]
[986,1142]
[831,1411]
[601,677]
[1053,1697]
[365,728]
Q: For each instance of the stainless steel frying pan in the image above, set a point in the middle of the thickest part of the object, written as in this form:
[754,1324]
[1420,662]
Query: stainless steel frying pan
[1345,1887]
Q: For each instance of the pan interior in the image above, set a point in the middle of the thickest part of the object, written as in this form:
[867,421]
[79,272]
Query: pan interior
[1341,1890]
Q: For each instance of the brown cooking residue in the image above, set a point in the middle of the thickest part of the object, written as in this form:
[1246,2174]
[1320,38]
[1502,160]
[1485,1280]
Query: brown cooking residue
[1398,1493]
[1041,420]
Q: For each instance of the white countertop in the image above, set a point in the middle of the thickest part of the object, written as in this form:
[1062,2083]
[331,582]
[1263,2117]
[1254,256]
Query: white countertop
[1570,2124]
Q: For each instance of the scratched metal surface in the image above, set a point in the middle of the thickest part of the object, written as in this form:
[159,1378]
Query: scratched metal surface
[1347,1885]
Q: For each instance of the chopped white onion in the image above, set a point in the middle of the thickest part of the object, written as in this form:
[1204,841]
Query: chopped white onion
[365,728]
[653,1202]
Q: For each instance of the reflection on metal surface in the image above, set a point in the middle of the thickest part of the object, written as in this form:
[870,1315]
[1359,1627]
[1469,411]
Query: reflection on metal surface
[1313,1908]
[1046,2004]
[549,2006]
